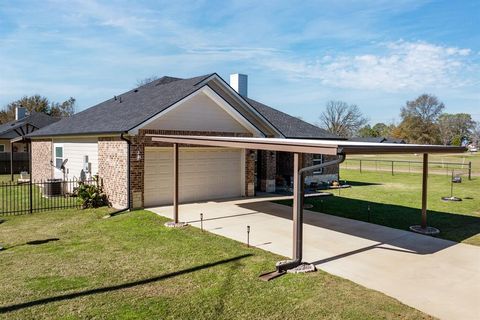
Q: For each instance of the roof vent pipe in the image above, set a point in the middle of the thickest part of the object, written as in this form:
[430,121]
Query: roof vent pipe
[239,82]
[20,113]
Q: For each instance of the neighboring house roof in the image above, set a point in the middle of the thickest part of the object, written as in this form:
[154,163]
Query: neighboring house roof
[34,121]
[377,139]
[129,110]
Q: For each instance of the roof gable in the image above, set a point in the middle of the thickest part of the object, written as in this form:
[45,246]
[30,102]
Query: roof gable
[35,120]
[203,110]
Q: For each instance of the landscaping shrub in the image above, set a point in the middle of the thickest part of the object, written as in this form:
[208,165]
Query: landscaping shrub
[91,195]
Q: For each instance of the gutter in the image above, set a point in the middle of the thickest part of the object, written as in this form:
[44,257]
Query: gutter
[289,264]
[128,207]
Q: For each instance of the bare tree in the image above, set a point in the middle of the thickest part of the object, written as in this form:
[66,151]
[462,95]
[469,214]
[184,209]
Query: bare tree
[456,127]
[420,120]
[476,134]
[142,82]
[342,119]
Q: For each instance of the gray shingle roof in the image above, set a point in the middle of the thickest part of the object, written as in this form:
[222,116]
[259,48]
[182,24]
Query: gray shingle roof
[377,139]
[126,111]
[36,119]
[130,109]
[289,126]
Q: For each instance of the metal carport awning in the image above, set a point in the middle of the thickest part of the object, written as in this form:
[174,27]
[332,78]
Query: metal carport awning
[298,147]
[330,147]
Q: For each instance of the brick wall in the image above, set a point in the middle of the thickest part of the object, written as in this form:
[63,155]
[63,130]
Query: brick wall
[41,159]
[112,169]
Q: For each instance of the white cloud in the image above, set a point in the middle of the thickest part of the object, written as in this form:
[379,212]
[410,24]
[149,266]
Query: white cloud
[401,66]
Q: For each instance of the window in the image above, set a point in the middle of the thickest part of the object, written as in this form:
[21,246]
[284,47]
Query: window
[2,148]
[58,156]
[318,159]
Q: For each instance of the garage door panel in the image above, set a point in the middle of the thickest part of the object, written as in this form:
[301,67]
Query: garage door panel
[204,173]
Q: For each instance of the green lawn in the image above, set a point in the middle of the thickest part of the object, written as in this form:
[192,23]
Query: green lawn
[131,266]
[395,201]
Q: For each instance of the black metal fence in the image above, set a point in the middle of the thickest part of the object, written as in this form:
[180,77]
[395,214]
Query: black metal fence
[20,198]
[408,166]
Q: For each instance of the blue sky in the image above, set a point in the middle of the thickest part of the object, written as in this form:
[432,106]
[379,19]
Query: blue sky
[298,54]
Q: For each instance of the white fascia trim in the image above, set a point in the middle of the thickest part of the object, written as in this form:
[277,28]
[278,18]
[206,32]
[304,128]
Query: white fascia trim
[217,99]
[75,136]
[235,93]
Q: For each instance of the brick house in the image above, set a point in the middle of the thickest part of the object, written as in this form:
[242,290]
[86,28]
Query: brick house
[110,140]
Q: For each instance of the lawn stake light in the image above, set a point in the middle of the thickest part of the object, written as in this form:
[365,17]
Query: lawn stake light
[453,180]
[201,221]
[248,236]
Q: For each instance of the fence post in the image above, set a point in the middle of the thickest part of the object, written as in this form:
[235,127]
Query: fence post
[30,188]
[470,170]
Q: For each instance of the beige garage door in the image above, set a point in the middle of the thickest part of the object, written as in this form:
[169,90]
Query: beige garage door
[204,174]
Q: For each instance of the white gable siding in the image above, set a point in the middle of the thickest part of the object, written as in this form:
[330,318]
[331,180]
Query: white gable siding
[74,150]
[199,113]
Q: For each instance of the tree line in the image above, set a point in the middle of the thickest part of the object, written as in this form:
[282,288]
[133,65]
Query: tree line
[422,121]
[38,103]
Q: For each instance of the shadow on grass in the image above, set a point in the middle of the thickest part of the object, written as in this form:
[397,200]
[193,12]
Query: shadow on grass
[33,243]
[351,183]
[37,242]
[455,227]
[74,295]
[361,183]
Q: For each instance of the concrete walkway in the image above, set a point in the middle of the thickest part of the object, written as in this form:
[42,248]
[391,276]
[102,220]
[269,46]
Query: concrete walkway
[438,277]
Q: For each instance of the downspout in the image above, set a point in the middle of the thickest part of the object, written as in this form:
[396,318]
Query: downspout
[297,260]
[128,207]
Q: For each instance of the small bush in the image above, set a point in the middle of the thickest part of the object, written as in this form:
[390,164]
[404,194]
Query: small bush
[91,196]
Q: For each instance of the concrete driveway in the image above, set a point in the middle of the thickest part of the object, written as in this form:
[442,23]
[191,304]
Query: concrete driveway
[439,277]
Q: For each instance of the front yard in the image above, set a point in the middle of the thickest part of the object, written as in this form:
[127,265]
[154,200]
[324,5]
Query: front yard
[73,264]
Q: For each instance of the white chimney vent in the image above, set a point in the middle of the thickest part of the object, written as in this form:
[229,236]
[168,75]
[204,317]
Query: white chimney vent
[239,82]
[20,113]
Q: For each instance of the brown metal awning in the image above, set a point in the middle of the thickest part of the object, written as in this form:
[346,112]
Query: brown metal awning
[330,147]
[298,147]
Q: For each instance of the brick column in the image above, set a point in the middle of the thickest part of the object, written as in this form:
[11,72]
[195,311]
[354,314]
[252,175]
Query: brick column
[250,156]
[137,168]
[112,168]
[268,168]
[42,153]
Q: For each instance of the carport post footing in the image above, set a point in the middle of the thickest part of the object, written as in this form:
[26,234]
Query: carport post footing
[423,228]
